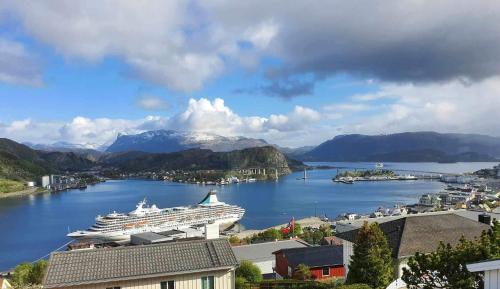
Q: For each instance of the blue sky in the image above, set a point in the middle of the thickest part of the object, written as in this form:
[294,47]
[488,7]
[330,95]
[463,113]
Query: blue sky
[82,72]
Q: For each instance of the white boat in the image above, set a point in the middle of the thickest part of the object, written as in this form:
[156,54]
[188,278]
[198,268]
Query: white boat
[379,165]
[118,226]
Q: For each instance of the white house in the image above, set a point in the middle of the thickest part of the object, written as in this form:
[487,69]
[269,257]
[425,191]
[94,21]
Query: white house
[491,271]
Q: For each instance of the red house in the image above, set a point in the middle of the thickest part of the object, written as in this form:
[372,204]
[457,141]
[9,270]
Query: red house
[323,261]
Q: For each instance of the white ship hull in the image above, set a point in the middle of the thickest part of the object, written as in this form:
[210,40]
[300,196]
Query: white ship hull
[124,236]
[118,227]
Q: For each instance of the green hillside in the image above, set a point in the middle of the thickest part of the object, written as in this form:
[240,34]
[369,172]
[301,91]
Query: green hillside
[19,162]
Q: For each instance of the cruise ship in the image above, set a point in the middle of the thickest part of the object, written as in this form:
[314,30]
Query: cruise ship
[118,226]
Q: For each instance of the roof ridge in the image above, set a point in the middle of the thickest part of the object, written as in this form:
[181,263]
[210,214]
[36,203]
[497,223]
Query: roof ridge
[213,254]
[271,242]
[136,246]
[401,237]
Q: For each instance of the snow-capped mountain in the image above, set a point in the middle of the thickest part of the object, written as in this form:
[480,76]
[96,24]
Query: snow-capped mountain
[88,151]
[166,141]
[65,146]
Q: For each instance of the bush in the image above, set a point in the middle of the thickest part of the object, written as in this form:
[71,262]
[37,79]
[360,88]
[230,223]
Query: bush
[249,271]
[240,282]
[234,240]
[354,286]
[29,274]
[303,272]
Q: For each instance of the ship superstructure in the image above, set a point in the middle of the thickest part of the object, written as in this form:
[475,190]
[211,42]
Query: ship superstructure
[118,226]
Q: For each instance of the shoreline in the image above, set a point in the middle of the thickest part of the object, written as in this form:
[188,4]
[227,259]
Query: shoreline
[312,221]
[27,192]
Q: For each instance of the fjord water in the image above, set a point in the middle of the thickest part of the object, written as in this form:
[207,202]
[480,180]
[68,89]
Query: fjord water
[32,226]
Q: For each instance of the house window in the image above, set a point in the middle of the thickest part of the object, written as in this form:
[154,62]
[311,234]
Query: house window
[326,271]
[167,284]
[207,282]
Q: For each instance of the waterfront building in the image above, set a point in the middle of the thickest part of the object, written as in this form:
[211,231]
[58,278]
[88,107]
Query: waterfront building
[45,181]
[491,269]
[324,262]
[204,264]
[261,254]
[417,233]
[430,200]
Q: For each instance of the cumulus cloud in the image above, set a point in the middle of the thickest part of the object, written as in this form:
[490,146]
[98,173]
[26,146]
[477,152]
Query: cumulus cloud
[151,102]
[149,36]
[444,107]
[200,115]
[183,44]
[17,65]
[397,41]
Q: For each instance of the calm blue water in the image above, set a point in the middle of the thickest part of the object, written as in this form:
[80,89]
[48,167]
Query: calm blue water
[32,226]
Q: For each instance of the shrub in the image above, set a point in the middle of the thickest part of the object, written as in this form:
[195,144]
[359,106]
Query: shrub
[249,271]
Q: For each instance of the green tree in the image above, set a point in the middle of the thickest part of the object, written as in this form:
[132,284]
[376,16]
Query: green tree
[26,274]
[446,267]
[249,271]
[21,274]
[38,272]
[312,236]
[371,261]
[326,230]
[240,282]
[303,272]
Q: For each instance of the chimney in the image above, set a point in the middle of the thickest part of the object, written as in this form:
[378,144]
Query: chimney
[484,218]
[211,231]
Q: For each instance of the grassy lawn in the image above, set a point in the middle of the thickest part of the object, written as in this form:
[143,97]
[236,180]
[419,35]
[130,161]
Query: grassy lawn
[9,186]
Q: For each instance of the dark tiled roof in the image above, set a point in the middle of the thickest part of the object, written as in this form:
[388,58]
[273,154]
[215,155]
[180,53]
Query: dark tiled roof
[412,234]
[136,262]
[318,256]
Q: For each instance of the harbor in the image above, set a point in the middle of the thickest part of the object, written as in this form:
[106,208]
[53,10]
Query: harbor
[29,218]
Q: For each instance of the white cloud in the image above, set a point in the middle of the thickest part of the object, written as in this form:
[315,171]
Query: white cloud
[300,118]
[201,115]
[17,65]
[444,107]
[148,35]
[184,44]
[151,102]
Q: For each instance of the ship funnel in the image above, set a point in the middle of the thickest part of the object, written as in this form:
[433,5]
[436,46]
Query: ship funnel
[210,198]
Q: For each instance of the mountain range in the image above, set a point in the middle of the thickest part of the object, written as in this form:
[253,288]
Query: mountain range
[20,162]
[167,141]
[399,147]
[407,147]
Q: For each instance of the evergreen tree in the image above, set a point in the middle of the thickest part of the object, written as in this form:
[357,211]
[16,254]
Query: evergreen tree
[371,261]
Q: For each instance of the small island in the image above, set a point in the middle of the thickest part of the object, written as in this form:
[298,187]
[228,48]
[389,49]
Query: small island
[349,177]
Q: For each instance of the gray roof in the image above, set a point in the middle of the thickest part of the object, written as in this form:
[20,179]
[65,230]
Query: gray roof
[137,262]
[264,251]
[422,233]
